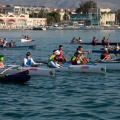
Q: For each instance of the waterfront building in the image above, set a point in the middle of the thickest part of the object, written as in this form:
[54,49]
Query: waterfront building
[107,17]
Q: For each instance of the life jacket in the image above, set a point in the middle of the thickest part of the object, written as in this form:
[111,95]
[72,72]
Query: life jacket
[29,63]
[75,61]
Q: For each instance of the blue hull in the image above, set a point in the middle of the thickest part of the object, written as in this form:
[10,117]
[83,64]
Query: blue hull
[101,51]
[19,47]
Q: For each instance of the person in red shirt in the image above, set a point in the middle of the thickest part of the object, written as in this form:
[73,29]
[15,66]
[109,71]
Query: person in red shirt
[105,55]
[94,41]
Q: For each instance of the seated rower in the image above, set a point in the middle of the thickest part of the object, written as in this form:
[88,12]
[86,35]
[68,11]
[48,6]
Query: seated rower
[1,61]
[61,56]
[79,40]
[29,62]
[105,55]
[80,50]
[73,40]
[78,59]
[108,46]
[53,60]
[117,47]
[94,41]
[104,40]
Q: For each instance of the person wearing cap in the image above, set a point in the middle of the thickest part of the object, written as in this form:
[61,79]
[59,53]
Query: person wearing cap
[61,57]
[1,61]
[53,60]
[29,62]
[105,55]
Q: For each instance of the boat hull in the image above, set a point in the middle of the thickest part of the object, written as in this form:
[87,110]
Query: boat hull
[83,68]
[111,65]
[18,47]
[33,71]
[16,78]
[82,43]
[101,51]
[24,40]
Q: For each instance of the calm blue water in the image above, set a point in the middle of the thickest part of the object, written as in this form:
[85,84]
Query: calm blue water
[66,96]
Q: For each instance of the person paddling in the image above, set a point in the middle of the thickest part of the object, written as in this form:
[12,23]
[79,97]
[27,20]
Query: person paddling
[1,61]
[61,56]
[53,60]
[104,40]
[29,62]
[94,41]
[105,55]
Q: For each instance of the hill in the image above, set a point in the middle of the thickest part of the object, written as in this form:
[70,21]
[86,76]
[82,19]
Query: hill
[113,4]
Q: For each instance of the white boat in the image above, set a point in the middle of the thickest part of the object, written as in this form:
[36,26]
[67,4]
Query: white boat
[32,71]
[83,68]
[25,40]
[110,65]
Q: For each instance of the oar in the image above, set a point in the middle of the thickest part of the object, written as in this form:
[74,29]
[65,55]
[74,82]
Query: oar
[108,37]
[7,69]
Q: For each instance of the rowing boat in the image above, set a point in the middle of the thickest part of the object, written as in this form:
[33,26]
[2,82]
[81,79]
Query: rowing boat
[25,40]
[90,43]
[110,51]
[32,71]
[18,47]
[83,69]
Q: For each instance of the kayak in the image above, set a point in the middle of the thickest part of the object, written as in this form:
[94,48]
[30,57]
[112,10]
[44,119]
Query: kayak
[15,78]
[25,40]
[83,68]
[110,51]
[18,47]
[32,71]
[90,43]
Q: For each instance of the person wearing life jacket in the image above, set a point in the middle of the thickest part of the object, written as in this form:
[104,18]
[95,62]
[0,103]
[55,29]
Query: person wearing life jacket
[1,61]
[53,60]
[61,56]
[80,50]
[29,62]
[78,59]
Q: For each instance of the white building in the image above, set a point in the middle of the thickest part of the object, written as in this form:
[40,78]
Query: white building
[107,17]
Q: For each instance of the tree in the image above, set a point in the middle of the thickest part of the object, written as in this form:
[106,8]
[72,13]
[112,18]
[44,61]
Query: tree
[86,6]
[54,17]
[66,15]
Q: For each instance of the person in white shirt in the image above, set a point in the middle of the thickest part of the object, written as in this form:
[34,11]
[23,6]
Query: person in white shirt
[29,62]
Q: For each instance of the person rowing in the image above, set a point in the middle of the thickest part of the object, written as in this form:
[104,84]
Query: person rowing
[117,48]
[105,55]
[104,40]
[80,50]
[53,60]
[94,41]
[61,56]
[1,61]
[78,59]
[29,62]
